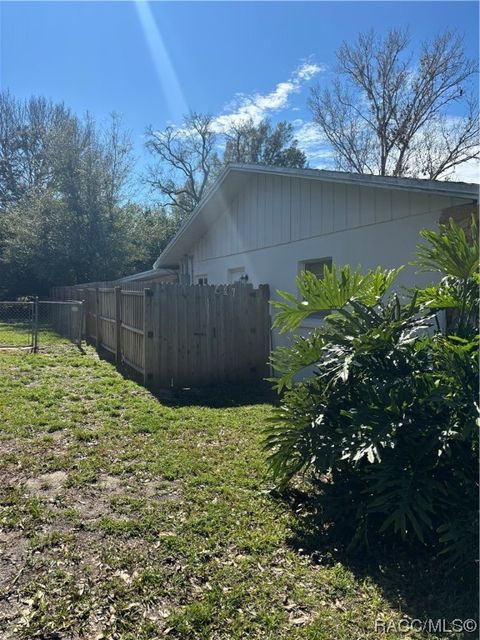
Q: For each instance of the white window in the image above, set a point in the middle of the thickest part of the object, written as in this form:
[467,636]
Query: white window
[237,275]
[203,279]
[317,267]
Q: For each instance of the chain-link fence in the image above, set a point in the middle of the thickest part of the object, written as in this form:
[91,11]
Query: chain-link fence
[40,324]
[17,324]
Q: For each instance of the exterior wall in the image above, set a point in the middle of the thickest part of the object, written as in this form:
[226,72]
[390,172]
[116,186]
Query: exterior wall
[276,223]
[273,210]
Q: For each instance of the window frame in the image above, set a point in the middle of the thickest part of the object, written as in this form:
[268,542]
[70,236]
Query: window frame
[241,271]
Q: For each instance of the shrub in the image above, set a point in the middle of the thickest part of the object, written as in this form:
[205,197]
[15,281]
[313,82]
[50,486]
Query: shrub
[390,414]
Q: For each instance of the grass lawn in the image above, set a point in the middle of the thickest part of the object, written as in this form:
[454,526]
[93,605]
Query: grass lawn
[122,516]
[18,334]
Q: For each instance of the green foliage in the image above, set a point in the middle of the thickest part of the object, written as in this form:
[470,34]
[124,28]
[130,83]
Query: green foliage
[450,253]
[390,415]
[148,231]
[335,290]
[263,144]
[65,215]
[456,257]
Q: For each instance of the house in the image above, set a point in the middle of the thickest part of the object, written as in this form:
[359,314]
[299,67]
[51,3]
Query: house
[263,225]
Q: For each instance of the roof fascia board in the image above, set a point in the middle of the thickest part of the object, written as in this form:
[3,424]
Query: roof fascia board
[145,275]
[452,189]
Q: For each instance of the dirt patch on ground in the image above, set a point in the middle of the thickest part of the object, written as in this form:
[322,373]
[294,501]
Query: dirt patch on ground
[94,501]
[10,611]
[161,490]
[61,537]
[10,446]
[48,485]
[110,484]
[13,552]
[13,562]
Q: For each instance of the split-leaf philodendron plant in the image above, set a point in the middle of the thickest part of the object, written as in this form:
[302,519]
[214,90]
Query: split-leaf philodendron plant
[388,421]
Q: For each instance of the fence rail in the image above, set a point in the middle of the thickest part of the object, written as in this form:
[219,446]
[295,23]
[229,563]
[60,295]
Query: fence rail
[180,335]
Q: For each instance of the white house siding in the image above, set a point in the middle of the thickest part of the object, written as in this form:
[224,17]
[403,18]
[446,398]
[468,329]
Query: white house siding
[276,223]
[273,210]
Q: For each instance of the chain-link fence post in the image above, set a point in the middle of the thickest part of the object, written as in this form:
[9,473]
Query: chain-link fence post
[35,325]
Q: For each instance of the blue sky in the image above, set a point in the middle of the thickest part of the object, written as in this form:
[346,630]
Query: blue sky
[152,62]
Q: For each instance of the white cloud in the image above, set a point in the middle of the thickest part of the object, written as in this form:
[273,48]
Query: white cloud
[258,106]
[467,172]
[307,71]
[313,144]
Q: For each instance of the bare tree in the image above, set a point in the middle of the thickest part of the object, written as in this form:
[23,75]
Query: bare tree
[186,161]
[188,158]
[387,113]
[118,161]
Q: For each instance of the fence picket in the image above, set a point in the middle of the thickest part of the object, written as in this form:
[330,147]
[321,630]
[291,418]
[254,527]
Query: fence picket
[97,318]
[180,335]
[148,350]
[163,342]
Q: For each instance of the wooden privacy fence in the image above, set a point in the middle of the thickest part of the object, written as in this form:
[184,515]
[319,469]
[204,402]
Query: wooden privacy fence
[180,335]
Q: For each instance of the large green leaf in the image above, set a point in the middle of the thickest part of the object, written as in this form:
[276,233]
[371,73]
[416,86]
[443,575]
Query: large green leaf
[334,291]
[449,251]
[389,420]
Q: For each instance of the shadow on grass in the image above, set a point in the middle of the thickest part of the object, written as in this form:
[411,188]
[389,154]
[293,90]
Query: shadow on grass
[219,396]
[410,578]
[215,396]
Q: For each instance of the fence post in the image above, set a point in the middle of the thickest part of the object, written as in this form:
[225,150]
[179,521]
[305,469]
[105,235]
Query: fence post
[97,319]
[35,325]
[118,325]
[267,328]
[148,342]
[82,322]
[83,325]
